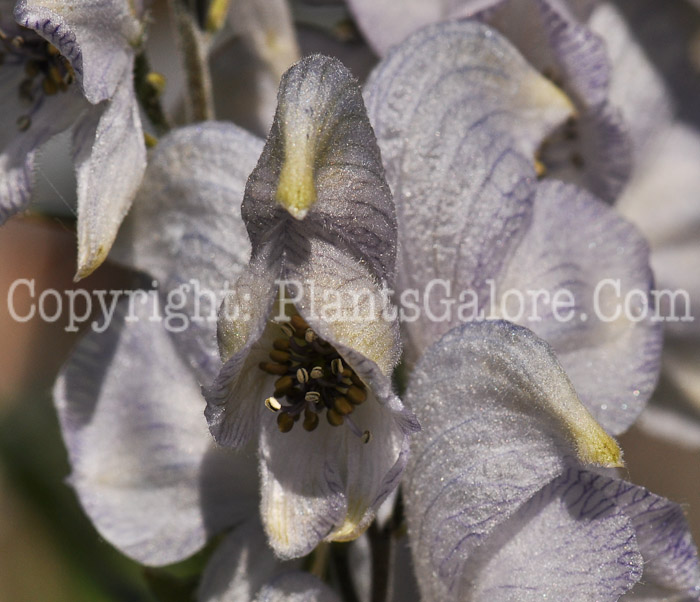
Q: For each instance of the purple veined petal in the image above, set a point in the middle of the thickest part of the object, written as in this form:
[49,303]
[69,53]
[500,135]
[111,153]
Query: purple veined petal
[320,173]
[97,37]
[143,463]
[297,587]
[636,89]
[499,416]
[240,566]
[580,279]
[662,200]
[671,568]
[110,159]
[45,117]
[593,149]
[190,196]
[459,156]
[569,541]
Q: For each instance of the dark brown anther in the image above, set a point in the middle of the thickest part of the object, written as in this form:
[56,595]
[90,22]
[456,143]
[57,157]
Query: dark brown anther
[270,368]
[299,325]
[334,419]
[281,344]
[310,420]
[282,385]
[279,356]
[284,422]
[343,406]
[31,68]
[356,395]
[49,86]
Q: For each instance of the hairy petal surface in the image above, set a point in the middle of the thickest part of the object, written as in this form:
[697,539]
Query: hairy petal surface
[97,37]
[569,541]
[110,159]
[185,229]
[144,466]
[499,417]
[458,115]
[573,271]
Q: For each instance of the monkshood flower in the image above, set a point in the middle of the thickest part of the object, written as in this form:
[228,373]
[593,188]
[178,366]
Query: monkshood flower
[71,63]
[321,221]
[500,503]
[459,157]
[144,465]
[593,147]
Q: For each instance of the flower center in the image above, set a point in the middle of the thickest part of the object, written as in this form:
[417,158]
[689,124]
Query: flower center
[312,379]
[46,71]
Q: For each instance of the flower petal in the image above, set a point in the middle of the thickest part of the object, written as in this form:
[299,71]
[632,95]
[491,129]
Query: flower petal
[297,587]
[202,243]
[499,416]
[47,117]
[662,200]
[579,251]
[239,566]
[110,159]
[302,490]
[320,173]
[97,37]
[459,154]
[144,466]
[635,87]
[662,534]
[570,541]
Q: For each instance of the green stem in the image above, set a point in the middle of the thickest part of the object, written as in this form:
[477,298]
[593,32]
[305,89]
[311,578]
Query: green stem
[194,48]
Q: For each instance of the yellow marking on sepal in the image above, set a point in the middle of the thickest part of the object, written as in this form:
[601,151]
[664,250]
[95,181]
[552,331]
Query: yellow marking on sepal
[156,81]
[149,140]
[545,93]
[296,190]
[595,446]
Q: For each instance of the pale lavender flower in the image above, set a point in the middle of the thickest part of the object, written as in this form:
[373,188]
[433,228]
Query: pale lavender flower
[71,63]
[499,504]
[321,219]
[459,157]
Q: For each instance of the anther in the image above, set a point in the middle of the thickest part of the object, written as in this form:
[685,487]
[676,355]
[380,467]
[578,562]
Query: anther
[299,324]
[287,330]
[284,384]
[366,437]
[49,86]
[334,419]
[279,356]
[312,397]
[302,375]
[273,404]
[356,395]
[343,406]
[310,336]
[284,422]
[316,372]
[310,420]
[271,368]
[17,41]
[31,68]
[337,366]
[52,50]
[281,344]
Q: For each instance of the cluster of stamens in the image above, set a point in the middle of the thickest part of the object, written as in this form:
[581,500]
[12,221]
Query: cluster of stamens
[46,71]
[311,379]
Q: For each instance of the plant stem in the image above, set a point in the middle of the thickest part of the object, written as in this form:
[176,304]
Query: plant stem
[194,49]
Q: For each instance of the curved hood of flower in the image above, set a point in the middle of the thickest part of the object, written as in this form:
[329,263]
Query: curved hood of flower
[502,459]
[474,219]
[323,231]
